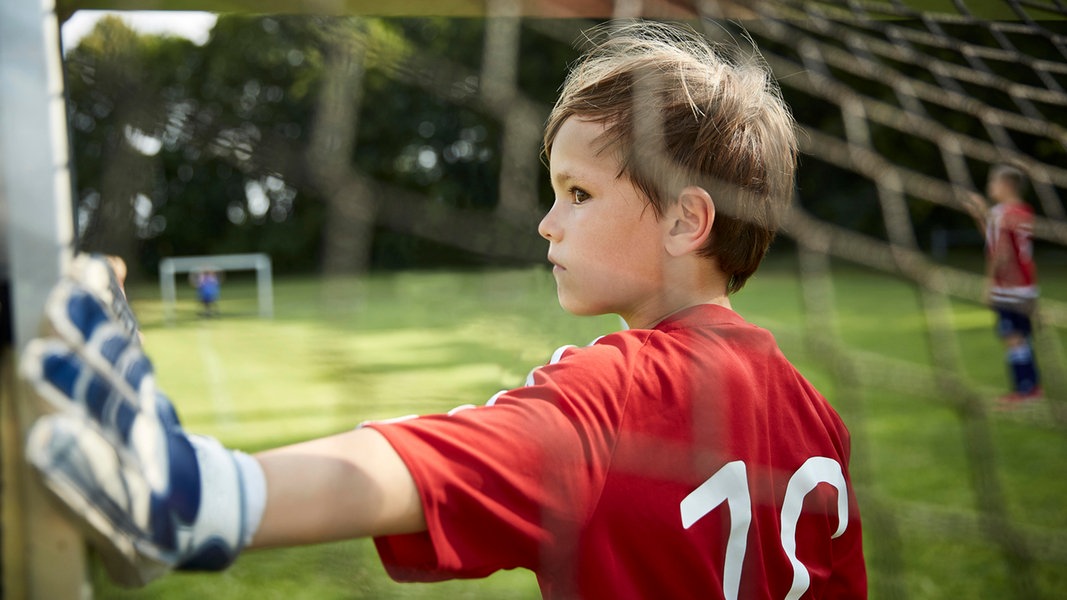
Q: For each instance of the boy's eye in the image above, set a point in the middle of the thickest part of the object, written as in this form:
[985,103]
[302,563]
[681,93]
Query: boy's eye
[579,195]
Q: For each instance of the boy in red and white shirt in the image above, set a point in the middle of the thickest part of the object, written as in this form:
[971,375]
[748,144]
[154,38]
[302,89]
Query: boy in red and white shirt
[682,457]
[1011,274]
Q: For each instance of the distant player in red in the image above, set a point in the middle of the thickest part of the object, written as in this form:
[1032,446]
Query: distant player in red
[1012,275]
[683,457]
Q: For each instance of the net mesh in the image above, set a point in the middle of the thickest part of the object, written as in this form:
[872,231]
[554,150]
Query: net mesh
[964,92]
[961,86]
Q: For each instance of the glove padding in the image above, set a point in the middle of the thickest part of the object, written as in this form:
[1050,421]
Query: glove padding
[151,497]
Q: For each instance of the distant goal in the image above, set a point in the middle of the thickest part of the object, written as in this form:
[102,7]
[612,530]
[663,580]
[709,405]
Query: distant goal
[169,268]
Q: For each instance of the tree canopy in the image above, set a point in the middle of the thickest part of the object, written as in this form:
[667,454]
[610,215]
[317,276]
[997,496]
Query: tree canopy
[183,149]
[344,143]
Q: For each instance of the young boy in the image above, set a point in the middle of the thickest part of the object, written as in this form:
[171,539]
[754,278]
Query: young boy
[1011,274]
[683,457]
[208,284]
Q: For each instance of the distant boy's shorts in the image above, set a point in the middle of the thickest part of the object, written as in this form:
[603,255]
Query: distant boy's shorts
[208,293]
[1011,322]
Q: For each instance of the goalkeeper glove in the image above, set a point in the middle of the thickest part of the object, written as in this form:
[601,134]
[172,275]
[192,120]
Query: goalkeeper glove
[151,496]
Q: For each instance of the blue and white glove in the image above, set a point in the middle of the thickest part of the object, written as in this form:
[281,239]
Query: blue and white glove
[151,496]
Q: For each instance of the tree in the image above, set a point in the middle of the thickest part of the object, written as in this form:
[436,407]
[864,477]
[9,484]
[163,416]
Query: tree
[117,114]
[326,141]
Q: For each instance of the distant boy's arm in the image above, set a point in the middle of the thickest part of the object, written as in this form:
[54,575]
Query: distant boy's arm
[977,207]
[353,484]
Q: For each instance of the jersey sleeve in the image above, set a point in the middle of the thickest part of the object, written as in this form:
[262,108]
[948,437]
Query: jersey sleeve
[506,484]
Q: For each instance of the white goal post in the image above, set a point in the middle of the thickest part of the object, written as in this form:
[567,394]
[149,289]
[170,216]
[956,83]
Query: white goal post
[170,267]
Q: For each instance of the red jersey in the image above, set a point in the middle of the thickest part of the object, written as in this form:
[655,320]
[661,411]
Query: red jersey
[689,460]
[1009,248]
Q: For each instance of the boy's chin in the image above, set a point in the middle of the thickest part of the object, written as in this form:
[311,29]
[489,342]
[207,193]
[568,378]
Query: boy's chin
[579,308]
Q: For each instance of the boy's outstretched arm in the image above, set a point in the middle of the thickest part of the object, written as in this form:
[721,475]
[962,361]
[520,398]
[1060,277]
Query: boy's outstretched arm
[153,497]
[347,485]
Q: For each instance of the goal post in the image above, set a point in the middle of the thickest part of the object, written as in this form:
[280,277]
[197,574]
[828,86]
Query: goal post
[169,268]
[41,554]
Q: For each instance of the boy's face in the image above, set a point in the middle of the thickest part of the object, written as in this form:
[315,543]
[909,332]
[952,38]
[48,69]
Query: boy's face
[999,189]
[994,188]
[604,238]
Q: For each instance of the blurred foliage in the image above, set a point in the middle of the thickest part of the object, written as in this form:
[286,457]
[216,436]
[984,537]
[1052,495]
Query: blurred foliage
[182,149]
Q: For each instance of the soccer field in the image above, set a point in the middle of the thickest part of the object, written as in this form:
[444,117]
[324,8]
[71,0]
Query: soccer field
[340,352]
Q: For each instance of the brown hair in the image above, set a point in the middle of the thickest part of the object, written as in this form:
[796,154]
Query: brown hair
[1011,174]
[680,111]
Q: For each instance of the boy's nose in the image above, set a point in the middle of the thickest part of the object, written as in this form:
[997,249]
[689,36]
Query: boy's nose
[548,227]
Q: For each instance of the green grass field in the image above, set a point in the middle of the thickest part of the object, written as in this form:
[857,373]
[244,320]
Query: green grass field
[340,352]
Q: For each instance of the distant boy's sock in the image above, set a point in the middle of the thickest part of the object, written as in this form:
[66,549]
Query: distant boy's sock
[1022,368]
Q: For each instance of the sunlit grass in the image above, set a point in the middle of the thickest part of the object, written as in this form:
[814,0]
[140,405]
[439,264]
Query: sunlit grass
[340,352]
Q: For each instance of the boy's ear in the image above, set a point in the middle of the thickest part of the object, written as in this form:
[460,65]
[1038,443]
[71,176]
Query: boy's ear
[689,221]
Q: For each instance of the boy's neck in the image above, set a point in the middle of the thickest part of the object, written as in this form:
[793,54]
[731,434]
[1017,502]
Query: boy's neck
[691,285]
[723,301]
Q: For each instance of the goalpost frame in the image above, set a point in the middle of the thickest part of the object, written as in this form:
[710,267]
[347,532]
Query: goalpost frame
[42,555]
[170,267]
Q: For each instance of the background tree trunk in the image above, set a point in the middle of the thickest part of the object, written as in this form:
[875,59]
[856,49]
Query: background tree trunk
[350,208]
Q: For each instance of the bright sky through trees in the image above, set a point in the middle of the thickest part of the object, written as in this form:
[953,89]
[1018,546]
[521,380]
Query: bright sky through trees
[195,26]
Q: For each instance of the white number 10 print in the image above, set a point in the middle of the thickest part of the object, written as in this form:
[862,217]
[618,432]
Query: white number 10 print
[730,485]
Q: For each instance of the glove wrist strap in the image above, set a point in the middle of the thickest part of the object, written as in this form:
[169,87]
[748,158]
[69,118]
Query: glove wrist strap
[254,484]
